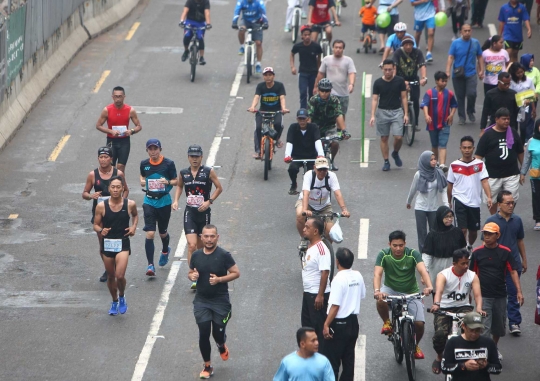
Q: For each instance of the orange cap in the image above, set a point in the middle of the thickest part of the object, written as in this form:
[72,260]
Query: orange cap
[491,227]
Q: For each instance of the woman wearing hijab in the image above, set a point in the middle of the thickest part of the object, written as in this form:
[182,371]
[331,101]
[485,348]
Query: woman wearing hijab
[527,113]
[441,243]
[531,163]
[428,182]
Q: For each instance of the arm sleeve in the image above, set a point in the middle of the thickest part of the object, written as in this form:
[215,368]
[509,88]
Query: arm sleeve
[288,149]
[389,40]
[417,256]
[452,50]
[237,10]
[281,374]
[378,260]
[527,159]
[450,177]
[352,68]
[521,232]
[501,16]
[319,147]
[412,191]
[525,13]
[331,3]
[324,260]
[207,4]
[229,261]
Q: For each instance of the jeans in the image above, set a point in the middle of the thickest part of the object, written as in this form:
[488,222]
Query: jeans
[306,82]
[512,306]
[423,219]
[465,90]
[479,11]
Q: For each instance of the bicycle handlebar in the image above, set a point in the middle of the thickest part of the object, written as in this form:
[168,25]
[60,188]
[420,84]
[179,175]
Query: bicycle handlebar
[304,160]
[416,295]
[324,215]
[194,28]
[453,315]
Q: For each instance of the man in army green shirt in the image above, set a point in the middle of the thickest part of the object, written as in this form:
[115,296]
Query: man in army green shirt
[399,263]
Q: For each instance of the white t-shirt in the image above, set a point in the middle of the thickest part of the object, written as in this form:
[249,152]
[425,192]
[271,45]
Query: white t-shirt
[337,70]
[319,196]
[317,259]
[457,289]
[347,289]
[467,179]
[495,63]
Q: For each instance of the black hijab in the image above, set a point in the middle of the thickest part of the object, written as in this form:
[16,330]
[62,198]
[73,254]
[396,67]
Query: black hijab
[444,240]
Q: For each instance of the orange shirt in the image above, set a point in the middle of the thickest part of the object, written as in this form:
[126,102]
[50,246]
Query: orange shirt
[368,15]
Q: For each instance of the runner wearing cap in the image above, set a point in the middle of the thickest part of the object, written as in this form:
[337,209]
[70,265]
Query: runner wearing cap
[471,356]
[197,182]
[117,116]
[99,180]
[303,142]
[271,94]
[158,176]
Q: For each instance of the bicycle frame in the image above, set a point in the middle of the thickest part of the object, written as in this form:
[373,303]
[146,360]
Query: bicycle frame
[248,42]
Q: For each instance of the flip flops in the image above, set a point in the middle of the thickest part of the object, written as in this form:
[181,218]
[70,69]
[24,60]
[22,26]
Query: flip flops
[436,367]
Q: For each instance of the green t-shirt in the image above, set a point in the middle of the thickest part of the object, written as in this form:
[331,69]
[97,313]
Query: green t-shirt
[400,274]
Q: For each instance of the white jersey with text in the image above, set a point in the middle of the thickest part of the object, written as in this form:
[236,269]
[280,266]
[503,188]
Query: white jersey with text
[317,259]
[457,288]
[319,196]
[348,288]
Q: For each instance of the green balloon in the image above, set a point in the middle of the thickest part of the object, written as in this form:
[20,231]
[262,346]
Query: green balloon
[440,19]
[383,20]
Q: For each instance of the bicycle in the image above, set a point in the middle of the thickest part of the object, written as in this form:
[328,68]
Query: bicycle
[322,39]
[297,16]
[338,7]
[193,48]
[268,139]
[409,129]
[327,142]
[403,335]
[368,41]
[250,50]
[305,163]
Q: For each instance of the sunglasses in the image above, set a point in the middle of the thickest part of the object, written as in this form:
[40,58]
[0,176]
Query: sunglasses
[324,91]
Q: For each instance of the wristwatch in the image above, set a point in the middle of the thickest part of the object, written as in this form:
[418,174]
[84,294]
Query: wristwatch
[210,201]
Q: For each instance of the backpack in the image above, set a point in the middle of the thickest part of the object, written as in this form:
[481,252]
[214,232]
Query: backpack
[326,185]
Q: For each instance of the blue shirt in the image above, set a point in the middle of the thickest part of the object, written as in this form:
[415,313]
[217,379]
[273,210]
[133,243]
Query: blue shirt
[511,232]
[152,173]
[513,18]
[395,43]
[459,49]
[383,4]
[251,11]
[424,11]
[296,368]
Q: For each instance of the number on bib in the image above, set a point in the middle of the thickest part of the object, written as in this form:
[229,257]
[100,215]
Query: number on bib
[103,198]
[195,200]
[121,129]
[112,245]
[155,186]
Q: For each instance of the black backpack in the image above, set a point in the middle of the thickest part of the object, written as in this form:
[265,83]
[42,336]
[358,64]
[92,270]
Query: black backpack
[326,185]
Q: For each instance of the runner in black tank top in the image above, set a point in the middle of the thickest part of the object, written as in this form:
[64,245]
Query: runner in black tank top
[98,179]
[118,222]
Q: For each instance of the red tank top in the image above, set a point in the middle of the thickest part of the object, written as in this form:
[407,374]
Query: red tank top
[118,119]
[321,12]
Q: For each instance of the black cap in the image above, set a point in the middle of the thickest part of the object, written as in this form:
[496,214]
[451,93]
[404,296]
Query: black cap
[153,142]
[105,151]
[302,113]
[194,150]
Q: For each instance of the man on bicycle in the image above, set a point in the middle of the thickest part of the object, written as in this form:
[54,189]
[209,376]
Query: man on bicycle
[398,263]
[452,294]
[253,17]
[319,18]
[316,196]
[408,61]
[393,42]
[271,94]
[303,142]
[325,111]
[196,14]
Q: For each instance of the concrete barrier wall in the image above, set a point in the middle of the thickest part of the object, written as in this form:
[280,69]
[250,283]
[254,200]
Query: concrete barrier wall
[40,71]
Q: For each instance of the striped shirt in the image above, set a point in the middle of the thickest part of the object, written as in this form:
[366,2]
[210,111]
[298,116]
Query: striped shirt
[439,105]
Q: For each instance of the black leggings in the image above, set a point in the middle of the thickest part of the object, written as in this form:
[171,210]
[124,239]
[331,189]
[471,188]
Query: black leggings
[415,98]
[218,332]
[188,39]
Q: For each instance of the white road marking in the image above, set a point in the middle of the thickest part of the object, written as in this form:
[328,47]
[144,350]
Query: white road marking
[360,359]
[146,352]
[368,86]
[236,82]
[51,299]
[492,29]
[363,238]
[158,110]
[365,163]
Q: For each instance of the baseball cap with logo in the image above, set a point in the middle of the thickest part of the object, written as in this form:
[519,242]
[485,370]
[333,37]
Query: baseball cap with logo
[153,142]
[321,162]
[302,113]
[268,69]
[105,151]
[491,227]
[473,320]
[194,150]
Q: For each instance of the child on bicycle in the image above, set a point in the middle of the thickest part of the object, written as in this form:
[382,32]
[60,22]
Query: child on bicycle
[368,14]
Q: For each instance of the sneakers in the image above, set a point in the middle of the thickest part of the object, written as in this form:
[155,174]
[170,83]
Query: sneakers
[397,159]
[114,309]
[185,55]
[515,329]
[258,69]
[224,352]
[471,118]
[387,328]
[207,372]
[202,61]
[343,3]
[164,257]
[151,270]
[500,355]
[418,354]
[293,191]
[429,57]
[443,167]
[461,122]
[417,128]
[193,285]
[287,29]
[333,166]
[241,51]
[122,305]
[103,278]
[386,166]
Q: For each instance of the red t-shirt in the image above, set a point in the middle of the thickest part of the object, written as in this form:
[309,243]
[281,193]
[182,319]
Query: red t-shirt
[118,119]
[321,10]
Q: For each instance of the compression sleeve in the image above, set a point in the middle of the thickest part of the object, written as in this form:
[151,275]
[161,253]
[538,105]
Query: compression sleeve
[288,149]
[319,148]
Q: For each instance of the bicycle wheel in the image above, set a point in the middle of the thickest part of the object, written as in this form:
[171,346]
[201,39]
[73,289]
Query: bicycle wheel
[332,259]
[409,347]
[272,144]
[266,157]
[325,48]
[396,340]
[249,64]
[409,132]
[296,25]
[193,60]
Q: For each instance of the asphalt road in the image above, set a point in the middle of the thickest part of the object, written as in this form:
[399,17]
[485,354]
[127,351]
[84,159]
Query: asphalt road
[53,311]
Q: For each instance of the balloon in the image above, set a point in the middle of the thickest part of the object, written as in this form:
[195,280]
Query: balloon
[440,19]
[383,20]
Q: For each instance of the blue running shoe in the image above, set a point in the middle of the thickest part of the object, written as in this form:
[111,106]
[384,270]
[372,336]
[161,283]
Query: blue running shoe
[386,166]
[397,159]
[258,69]
[122,305]
[114,309]
[164,257]
[429,57]
[241,51]
[151,270]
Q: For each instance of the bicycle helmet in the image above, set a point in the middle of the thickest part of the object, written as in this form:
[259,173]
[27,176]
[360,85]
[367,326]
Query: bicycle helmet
[324,84]
[400,27]
[304,28]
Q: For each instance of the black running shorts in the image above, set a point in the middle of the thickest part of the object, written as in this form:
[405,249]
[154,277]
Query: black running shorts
[120,148]
[195,221]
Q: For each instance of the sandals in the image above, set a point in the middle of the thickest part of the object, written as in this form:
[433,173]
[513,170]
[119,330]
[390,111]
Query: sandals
[257,156]
[279,144]
[436,367]
[293,191]
[537,227]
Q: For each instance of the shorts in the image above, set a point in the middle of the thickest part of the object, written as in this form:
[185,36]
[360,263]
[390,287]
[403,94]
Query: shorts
[420,25]
[495,321]
[195,221]
[319,27]
[160,215]
[510,183]
[394,19]
[325,210]
[344,101]
[439,138]
[513,45]
[443,327]
[219,310]
[389,121]
[125,247]
[366,27]
[416,306]
[467,217]
[120,148]
[256,35]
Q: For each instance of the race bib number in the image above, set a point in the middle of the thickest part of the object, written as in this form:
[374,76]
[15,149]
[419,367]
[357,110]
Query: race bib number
[155,186]
[195,200]
[103,198]
[120,129]
[112,245]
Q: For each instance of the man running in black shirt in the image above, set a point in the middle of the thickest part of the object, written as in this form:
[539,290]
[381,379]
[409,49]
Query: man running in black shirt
[212,268]
[303,142]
